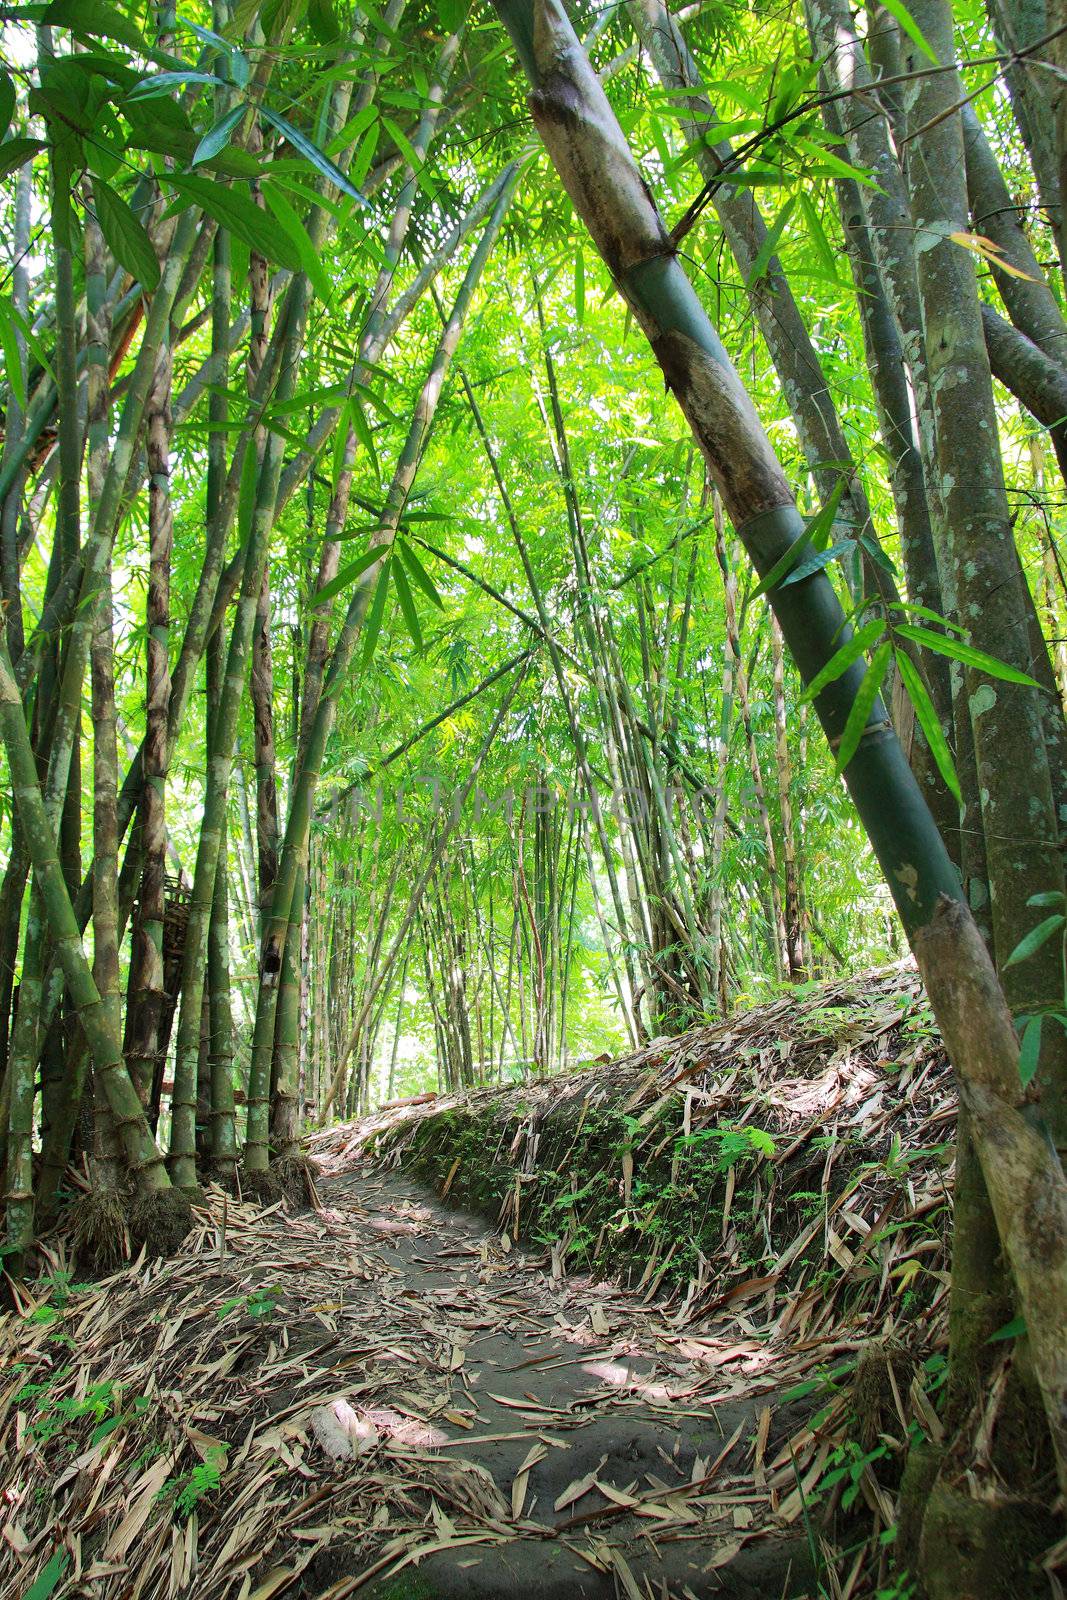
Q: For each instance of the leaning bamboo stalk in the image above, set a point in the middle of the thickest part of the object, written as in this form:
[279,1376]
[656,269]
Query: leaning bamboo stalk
[589,150]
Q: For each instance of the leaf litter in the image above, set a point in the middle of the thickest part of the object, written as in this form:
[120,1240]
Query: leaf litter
[313,1404]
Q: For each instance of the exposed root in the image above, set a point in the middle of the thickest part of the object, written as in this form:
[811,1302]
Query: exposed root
[96,1228]
[160,1220]
[266,1187]
[297,1175]
[883,1365]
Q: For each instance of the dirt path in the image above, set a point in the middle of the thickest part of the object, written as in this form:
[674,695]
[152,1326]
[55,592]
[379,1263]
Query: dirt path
[614,1456]
[384,1398]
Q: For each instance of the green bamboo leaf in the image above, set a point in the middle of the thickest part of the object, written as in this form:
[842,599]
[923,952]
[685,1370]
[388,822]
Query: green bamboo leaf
[12,364]
[348,574]
[877,554]
[1048,897]
[246,496]
[49,1577]
[163,82]
[407,605]
[218,137]
[866,695]
[362,430]
[311,153]
[1029,1052]
[861,641]
[820,522]
[1033,941]
[929,723]
[16,152]
[963,652]
[770,242]
[238,213]
[126,239]
[373,625]
[309,257]
[931,616]
[826,163]
[404,145]
[903,17]
[421,576]
[7,101]
[1015,1329]
[94,19]
[579,286]
[817,233]
[322,19]
[815,560]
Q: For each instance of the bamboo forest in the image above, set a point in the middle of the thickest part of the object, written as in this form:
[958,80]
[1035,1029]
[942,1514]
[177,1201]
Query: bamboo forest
[533,799]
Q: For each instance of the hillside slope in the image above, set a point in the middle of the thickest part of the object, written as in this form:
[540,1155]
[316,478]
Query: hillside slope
[796,1155]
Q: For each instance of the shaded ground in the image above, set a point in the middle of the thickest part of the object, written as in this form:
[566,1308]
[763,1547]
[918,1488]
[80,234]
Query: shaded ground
[618,1447]
[385,1397]
[163,1431]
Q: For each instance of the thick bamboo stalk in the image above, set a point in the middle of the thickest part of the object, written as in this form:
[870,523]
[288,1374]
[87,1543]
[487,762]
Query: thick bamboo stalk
[142,1157]
[586,144]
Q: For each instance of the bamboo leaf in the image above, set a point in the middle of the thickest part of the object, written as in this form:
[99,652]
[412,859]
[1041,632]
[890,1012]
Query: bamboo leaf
[373,625]
[770,242]
[407,605]
[866,695]
[815,560]
[16,152]
[362,430]
[348,575]
[1015,1329]
[47,1579]
[929,723]
[126,239]
[12,365]
[861,641]
[94,18]
[903,17]
[218,137]
[820,522]
[161,83]
[310,260]
[992,252]
[311,153]
[931,616]
[965,653]
[1029,1053]
[420,575]
[1032,942]
[7,101]
[238,213]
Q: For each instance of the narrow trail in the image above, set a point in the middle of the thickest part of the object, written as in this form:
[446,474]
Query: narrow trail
[381,1397]
[621,1447]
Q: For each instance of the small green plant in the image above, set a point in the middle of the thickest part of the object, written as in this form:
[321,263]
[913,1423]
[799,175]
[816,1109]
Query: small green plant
[188,1490]
[730,1144]
[258,1303]
[847,1465]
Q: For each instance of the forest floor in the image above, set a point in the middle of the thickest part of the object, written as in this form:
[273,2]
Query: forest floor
[385,1396]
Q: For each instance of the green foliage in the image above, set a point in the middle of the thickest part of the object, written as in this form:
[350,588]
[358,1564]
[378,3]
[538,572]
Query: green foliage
[261,1303]
[186,1492]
